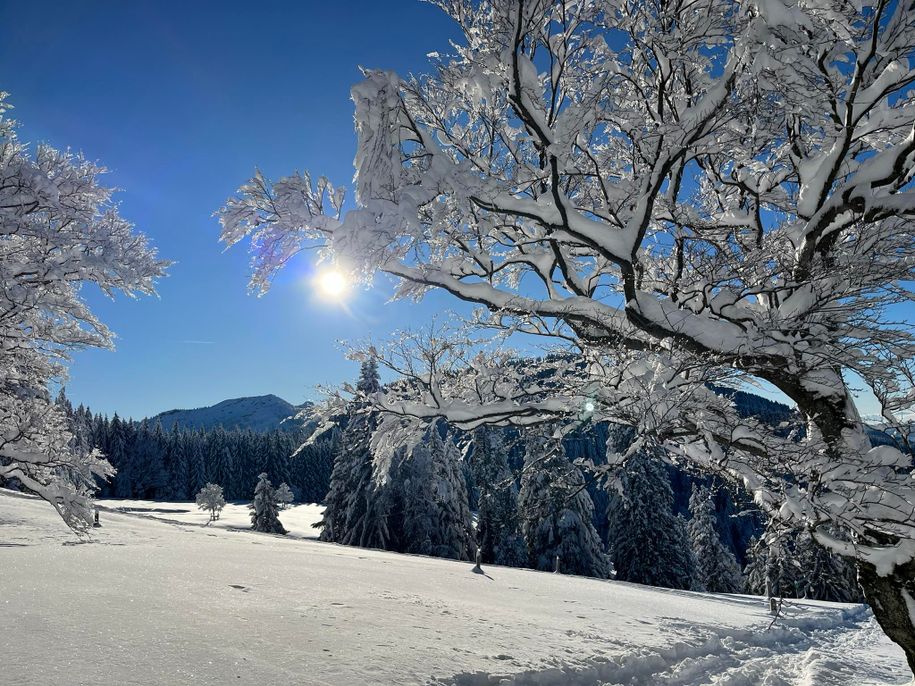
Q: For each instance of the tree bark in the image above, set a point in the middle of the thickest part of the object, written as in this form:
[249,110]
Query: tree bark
[891,597]
[887,597]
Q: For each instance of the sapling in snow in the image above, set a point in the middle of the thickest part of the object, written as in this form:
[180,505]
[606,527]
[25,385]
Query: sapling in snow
[210,499]
[284,496]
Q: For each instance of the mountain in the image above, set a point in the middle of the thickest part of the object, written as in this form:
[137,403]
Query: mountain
[258,413]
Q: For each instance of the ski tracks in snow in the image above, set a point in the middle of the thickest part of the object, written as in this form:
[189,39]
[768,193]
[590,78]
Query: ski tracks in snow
[826,651]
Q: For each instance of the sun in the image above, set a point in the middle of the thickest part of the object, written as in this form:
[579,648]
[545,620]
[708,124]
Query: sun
[332,284]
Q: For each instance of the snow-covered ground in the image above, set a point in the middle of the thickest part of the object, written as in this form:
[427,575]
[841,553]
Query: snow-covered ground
[298,519]
[164,602]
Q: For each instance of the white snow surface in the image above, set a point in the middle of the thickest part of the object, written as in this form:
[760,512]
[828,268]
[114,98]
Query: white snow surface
[147,601]
[298,519]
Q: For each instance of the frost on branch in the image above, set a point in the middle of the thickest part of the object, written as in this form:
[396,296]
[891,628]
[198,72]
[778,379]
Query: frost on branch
[58,230]
[679,195]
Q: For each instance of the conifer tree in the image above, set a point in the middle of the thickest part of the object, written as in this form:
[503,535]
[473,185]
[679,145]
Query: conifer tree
[791,565]
[826,576]
[178,473]
[264,509]
[355,512]
[716,568]
[311,466]
[452,527]
[197,462]
[649,543]
[771,568]
[556,512]
[118,454]
[498,525]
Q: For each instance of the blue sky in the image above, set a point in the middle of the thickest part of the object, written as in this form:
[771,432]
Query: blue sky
[181,100]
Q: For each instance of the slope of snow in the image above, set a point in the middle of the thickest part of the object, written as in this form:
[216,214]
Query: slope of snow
[153,602]
[299,519]
[259,413]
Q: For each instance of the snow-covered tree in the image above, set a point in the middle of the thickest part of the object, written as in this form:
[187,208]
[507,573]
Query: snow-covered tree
[451,527]
[312,464]
[649,543]
[59,229]
[793,565]
[355,511]
[687,196]
[556,512]
[716,569]
[284,495]
[265,509]
[498,522]
[210,498]
[825,575]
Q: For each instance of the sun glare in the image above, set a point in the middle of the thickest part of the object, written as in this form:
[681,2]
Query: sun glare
[332,284]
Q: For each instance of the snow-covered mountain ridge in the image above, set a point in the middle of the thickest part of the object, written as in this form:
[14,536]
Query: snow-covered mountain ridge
[258,413]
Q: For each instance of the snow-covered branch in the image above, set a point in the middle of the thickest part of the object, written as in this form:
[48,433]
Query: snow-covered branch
[685,194]
[58,230]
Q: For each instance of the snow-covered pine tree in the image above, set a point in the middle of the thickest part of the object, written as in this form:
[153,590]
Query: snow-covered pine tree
[792,565]
[426,500]
[771,568]
[218,456]
[498,525]
[141,474]
[556,512]
[411,494]
[118,454]
[196,462]
[453,525]
[355,509]
[311,466]
[264,509]
[178,474]
[284,496]
[82,430]
[238,483]
[716,569]
[826,576]
[210,498]
[648,542]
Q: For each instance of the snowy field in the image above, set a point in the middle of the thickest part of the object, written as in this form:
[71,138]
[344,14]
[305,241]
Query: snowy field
[298,519]
[148,601]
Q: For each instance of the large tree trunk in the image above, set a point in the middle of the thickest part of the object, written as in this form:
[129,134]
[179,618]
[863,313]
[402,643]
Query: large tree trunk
[892,598]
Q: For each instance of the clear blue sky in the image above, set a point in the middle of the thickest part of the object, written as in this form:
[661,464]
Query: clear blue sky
[181,100]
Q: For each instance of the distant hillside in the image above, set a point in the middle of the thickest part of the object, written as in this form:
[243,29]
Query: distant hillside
[259,413]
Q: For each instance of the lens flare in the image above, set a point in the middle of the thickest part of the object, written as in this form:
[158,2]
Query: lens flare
[332,284]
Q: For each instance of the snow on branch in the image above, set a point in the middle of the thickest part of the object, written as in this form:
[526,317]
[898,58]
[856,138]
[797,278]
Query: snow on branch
[678,195]
[59,229]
